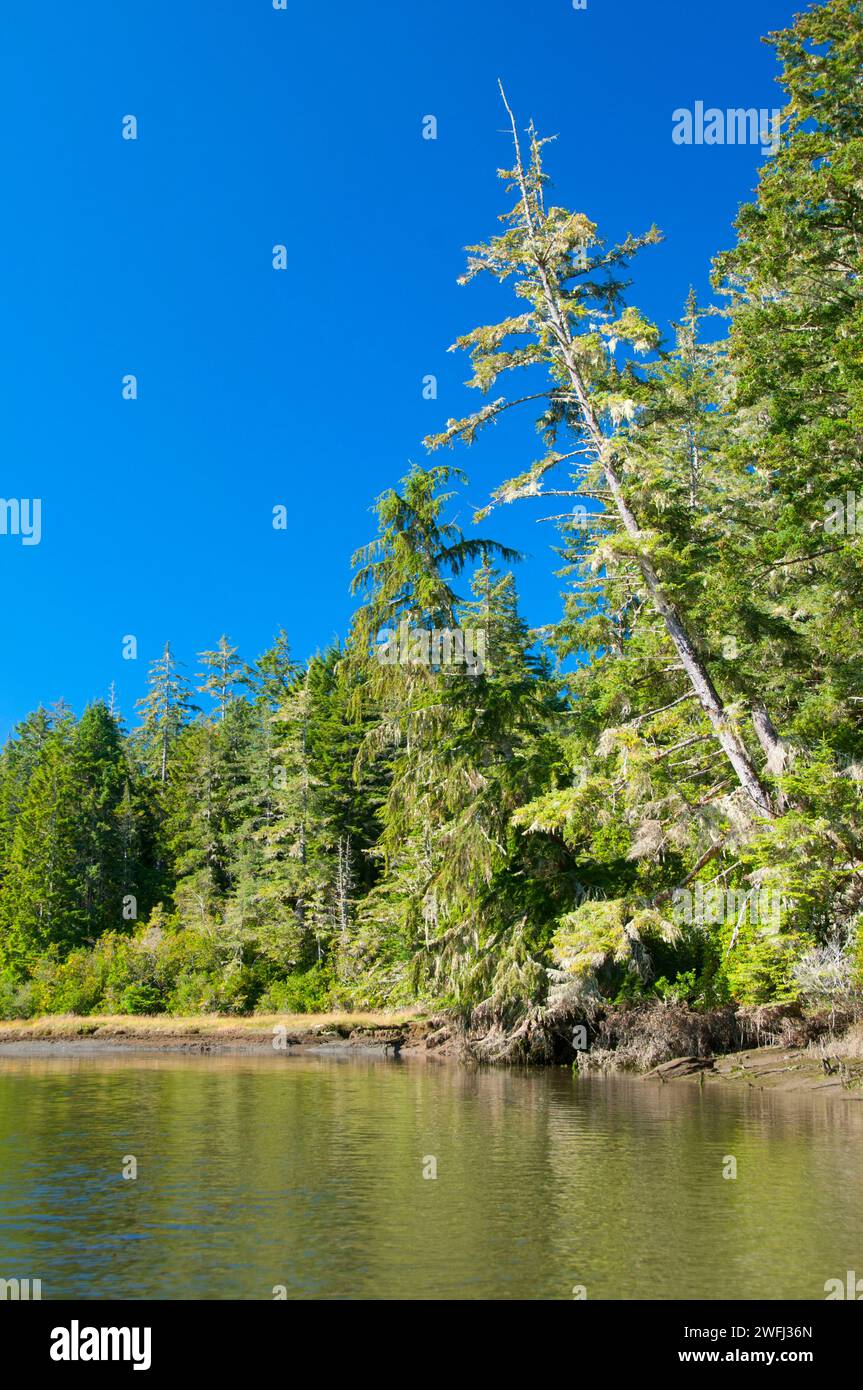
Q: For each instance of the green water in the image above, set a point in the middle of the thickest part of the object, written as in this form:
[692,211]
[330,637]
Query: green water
[307,1172]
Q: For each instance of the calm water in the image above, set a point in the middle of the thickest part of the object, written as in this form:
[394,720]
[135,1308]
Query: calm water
[308,1172]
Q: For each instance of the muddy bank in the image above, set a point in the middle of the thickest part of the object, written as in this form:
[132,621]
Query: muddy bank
[775,1047]
[769,1069]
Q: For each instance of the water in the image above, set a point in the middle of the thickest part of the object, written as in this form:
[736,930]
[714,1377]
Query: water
[307,1172]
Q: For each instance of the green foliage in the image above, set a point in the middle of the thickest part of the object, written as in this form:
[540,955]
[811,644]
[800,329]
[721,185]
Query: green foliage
[759,970]
[308,992]
[141,999]
[507,840]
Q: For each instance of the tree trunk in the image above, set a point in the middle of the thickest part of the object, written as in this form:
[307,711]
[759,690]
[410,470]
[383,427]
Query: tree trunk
[727,735]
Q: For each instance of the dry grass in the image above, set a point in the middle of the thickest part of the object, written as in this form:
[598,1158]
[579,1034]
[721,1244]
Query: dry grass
[199,1025]
[848,1047]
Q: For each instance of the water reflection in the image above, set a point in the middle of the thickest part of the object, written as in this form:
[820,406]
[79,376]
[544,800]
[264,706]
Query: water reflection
[307,1172]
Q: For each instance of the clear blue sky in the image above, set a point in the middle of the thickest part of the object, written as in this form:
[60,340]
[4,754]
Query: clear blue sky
[153,257]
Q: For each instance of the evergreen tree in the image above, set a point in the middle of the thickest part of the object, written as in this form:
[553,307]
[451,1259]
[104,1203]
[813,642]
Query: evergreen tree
[567,279]
[223,671]
[40,905]
[74,851]
[105,821]
[18,761]
[165,710]
[460,750]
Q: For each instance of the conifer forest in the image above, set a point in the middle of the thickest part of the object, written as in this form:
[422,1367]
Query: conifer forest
[654,797]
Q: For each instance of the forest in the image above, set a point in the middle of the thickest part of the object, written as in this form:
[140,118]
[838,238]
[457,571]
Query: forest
[655,796]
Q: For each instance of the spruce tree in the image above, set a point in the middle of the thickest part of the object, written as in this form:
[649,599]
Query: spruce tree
[165,710]
[570,283]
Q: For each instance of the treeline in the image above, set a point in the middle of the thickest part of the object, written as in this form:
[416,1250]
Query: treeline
[678,817]
[267,836]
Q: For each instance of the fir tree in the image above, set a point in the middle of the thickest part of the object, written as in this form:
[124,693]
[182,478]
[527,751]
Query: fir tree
[165,710]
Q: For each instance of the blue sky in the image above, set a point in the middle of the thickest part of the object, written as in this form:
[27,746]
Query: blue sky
[301,387]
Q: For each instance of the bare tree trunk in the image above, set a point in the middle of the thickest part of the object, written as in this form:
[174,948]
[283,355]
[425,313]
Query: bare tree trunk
[775,748]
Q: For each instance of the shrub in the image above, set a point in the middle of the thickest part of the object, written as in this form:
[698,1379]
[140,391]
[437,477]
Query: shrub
[759,967]
[824,976]
[306,993]
[73,986]
[141,999]
[16,996]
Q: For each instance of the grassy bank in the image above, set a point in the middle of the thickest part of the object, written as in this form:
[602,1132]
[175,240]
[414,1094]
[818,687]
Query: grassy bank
[774,1049]
[167,1029]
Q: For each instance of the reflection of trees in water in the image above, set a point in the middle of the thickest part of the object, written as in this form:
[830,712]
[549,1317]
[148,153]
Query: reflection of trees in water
[308,1173]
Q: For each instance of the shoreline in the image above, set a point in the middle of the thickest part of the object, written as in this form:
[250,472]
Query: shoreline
[260,1034]
[773,1067]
